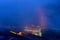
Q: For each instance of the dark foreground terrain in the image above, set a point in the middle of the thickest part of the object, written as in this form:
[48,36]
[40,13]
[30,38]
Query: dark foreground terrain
[47,35]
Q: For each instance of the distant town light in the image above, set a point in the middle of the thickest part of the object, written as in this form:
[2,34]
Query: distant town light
[36,30]
[13,32]
[20,33]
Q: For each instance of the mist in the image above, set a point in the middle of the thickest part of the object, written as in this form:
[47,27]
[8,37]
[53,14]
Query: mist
[17,12]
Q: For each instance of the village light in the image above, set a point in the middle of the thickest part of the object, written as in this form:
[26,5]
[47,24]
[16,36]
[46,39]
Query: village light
[13,32]
[20,33]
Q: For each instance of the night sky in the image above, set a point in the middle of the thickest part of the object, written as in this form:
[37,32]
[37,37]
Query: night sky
[18,12]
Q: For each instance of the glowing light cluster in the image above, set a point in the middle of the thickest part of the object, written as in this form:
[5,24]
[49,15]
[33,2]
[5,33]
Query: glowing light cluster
[33,30]
[13,32]
[19,33]
[36,30]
